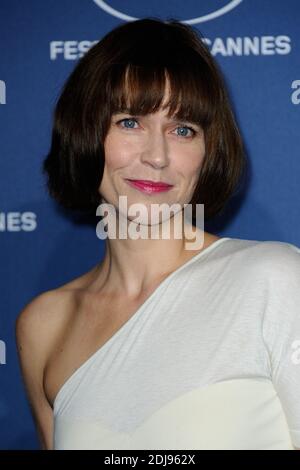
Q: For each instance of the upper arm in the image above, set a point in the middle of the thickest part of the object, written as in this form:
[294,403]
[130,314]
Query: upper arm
[34,329]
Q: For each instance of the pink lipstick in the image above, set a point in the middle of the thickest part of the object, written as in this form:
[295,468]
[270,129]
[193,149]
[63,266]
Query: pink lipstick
[148,186]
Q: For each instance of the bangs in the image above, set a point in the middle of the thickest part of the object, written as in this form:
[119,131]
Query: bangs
[185,91]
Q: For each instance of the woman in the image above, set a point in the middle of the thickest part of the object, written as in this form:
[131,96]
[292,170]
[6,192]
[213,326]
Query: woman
[160,346]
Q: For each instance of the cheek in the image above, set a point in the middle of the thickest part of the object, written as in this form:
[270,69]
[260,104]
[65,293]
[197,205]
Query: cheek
[197,157]
[191,162]
[117,152]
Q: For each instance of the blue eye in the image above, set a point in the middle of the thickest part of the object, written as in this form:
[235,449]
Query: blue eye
[188,128]
[126,120]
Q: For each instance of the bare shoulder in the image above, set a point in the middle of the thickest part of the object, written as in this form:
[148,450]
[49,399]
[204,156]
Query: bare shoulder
[36,328]
[40,318]
[43,319]
[48,311]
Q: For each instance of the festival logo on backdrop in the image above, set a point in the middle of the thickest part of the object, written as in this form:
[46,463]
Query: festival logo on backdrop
[193,14]
[205,13]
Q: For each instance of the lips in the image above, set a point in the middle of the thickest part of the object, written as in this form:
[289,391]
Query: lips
[149,186]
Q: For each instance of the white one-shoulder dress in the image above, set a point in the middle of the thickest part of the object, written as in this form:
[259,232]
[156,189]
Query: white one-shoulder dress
[211,360]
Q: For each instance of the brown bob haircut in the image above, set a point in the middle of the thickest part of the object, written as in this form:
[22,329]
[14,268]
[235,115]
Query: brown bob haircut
[146,52]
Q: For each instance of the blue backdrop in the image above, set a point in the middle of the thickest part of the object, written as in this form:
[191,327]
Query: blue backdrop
[257,44]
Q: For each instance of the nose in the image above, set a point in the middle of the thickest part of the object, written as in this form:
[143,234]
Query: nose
[156,151]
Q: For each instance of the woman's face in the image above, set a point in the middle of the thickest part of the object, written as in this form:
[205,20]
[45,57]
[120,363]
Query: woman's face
[151,147]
